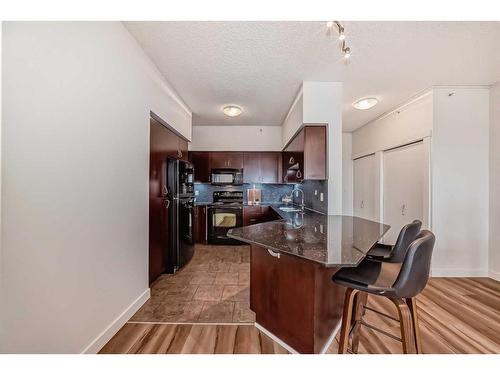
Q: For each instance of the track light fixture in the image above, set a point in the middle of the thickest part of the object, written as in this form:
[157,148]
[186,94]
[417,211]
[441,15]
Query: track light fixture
[345,49]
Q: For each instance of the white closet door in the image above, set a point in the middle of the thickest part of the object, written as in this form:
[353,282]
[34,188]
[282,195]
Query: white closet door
[404,180]
[364,196]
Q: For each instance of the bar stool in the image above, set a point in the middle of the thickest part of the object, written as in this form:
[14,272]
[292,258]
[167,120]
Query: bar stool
[399,282]
[396,253]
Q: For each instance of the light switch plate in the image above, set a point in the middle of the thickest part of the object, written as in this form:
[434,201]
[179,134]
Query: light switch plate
[315,192]
[321,197]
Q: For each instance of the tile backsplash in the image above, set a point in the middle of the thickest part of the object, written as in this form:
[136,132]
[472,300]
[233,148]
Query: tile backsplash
[310,199]
[271,193]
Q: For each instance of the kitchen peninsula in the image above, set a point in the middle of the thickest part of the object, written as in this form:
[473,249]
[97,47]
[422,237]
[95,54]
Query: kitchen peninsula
[291,264]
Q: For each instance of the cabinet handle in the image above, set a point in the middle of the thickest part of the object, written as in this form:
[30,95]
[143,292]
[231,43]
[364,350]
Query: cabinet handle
[166,203]
[273,253]
[291,161]
[164,190]
[403,210]
[362,204]
[299,174]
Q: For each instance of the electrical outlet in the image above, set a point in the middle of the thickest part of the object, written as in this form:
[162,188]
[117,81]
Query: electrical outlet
[321,197]
[196,192]
[315,192]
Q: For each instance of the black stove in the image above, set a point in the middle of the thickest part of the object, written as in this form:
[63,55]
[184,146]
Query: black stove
[225,213]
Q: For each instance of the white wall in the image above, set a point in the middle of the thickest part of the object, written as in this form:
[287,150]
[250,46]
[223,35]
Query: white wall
[294,119]
[459,174]
[405,124]
[494,234]
[323,104]
[347,174]
[75,154]
[460,144]
[236,138]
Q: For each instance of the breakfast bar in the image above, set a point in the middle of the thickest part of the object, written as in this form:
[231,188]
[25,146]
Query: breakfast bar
[291,264]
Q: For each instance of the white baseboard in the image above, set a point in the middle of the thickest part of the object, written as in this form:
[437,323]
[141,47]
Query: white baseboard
[275,338]
[494,275]
[458,272]
[118,323]
[292,350]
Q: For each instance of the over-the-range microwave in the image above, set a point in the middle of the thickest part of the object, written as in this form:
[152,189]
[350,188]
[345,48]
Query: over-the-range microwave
[227,176]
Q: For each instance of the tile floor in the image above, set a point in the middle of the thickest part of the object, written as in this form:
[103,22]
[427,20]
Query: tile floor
[213,288]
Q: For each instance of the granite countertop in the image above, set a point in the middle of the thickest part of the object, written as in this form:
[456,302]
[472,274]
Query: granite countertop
[331,240]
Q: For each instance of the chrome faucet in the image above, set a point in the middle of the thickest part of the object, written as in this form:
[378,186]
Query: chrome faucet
[302,204]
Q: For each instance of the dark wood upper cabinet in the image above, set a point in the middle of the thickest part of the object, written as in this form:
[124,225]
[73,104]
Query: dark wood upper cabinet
[226,159]
[315,153]
[201,162]
[304,158]
[234,160]
[251,167]
[270,167]
[182,149]
[262,167]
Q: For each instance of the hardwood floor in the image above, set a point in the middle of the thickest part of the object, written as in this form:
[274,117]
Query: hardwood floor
[146,338]
[457,315]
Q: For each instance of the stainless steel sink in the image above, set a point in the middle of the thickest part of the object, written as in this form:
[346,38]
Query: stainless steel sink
[290,209]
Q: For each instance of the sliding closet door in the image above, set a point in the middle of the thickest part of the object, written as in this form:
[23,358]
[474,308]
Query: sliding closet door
[405,178]
[365,187]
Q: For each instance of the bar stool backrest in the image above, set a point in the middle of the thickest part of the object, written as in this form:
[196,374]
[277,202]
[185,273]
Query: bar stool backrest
[406,236]
[416,266]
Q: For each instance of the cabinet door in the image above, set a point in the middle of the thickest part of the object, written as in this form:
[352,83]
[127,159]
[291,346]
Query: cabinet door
[182,149]
[163,140]
[270,167]
[364,197]
[201,224]
[251,167]
[252,215]
[218,160]
[234,160]
[405,176]
[201,162]
[263,292]
[315,153]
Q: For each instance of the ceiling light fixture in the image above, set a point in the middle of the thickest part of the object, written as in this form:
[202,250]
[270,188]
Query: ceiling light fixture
[345,49]
[365,103]
[232,110]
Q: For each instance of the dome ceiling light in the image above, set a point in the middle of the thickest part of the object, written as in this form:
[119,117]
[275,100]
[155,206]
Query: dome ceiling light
[232,110]
[365,103]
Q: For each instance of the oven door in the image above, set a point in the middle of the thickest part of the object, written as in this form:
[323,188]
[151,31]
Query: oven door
[220,221]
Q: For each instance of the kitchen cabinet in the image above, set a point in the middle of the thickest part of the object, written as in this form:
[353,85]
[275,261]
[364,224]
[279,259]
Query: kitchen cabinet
[226,159]
[182,149]
[200,219]
[261,167]
[201,162]
[165,141]
[258,214]
[304,158]
[303,316]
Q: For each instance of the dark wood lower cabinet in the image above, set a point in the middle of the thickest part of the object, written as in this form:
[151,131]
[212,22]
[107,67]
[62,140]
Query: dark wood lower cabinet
[200,219]
[294,299]
[258,214]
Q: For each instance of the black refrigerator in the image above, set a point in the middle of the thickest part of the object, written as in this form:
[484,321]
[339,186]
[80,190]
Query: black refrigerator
[180,192]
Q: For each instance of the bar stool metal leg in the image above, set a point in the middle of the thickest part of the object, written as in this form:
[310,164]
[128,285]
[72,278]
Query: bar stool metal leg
[406,323]
[350,295]
[359,312]
[412,304]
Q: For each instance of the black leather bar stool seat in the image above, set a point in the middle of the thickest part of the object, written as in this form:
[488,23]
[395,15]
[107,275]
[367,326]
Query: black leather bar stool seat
[399,282]
[397,252]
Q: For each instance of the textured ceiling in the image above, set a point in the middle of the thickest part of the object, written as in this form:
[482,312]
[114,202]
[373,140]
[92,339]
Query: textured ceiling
[260,65]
